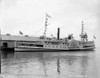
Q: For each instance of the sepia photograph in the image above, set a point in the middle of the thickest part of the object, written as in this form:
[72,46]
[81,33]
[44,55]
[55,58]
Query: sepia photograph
[49,39]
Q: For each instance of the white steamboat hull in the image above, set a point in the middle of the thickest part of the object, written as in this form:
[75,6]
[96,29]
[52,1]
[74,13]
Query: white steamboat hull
[50,49]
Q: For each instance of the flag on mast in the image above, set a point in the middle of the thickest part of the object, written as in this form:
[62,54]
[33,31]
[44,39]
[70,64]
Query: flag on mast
[46,19]
[46,23]
[94,37]
[47,15]
[20,32]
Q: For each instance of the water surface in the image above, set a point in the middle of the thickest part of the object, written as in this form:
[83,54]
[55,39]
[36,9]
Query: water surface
[81,64]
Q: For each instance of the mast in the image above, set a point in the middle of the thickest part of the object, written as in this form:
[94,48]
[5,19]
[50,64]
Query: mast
[46,23]
[84,36]
[82,31]
[45,26]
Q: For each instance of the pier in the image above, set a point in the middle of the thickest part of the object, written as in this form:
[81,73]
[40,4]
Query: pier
[7,43]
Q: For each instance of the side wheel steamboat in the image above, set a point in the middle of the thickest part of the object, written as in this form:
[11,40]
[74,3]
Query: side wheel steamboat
[43,43]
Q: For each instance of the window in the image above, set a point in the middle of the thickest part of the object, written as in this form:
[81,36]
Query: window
[5,44]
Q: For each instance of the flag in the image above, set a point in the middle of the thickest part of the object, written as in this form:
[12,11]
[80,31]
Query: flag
[51,35]
[21,33]
[46,21]
[94,37]
[47,15]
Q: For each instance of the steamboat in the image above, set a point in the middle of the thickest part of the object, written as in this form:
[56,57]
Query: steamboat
[44,44]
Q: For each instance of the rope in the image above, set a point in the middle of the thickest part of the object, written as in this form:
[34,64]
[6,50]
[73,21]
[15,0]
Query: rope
[38,31]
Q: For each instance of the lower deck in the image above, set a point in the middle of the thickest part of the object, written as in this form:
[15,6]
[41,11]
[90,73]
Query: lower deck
[22,49]
[38,46]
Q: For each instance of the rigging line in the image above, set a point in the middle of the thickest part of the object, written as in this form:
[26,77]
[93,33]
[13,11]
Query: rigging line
[38,31]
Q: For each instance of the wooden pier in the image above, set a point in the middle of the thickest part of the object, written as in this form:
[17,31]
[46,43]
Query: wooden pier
[7,43]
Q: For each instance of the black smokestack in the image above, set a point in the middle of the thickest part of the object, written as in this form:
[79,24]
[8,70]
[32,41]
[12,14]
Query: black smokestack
[58,34]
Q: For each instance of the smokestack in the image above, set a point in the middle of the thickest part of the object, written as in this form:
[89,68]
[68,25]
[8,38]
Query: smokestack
[58,34]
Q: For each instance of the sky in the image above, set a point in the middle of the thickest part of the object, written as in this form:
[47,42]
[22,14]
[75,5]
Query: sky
[28,16]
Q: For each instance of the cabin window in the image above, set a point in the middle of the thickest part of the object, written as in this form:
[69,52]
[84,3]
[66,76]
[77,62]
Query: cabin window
[87,46]
[39,45]
[31,44]
[5,44]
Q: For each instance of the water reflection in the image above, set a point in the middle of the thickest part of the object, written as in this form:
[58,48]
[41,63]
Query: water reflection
[7,55]
[50,64]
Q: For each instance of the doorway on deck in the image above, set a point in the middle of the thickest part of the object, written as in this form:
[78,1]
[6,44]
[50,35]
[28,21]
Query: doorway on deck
[5,44]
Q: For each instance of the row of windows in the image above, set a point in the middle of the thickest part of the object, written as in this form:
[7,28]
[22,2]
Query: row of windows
[56,46]
[56,43]
[28,42]
[87,46]
[33,45]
